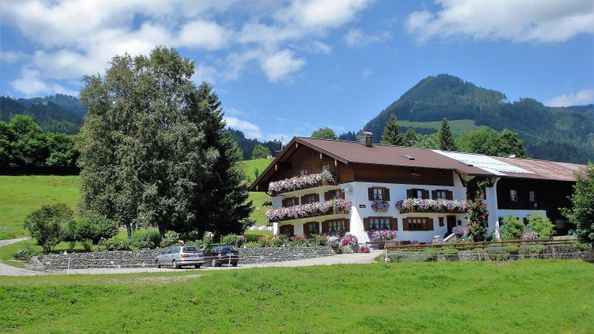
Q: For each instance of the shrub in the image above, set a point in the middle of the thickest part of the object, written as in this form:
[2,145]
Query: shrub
[529,235]
[511,228]
[541,225]
[582,201]
[532,249]
[22,255]
[252,244]
[50,224]
[449,251]
[319,240]
[512,249]
[169,239]
[476,218]
[233,239]
[148,238]
[113,244]
[497,253]
[95,227]
[404,256]
[271,241]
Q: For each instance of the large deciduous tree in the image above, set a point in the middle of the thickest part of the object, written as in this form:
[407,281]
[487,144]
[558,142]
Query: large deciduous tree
[152,148]
[324,133]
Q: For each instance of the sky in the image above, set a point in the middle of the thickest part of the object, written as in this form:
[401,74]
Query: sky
[286,68]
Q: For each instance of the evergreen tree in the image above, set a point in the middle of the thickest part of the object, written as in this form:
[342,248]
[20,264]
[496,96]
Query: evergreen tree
[409,137]
[223,205]
[391,135]
[446,140]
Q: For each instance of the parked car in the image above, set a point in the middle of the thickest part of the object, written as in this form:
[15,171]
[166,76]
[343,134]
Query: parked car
[178,256]
[218,255]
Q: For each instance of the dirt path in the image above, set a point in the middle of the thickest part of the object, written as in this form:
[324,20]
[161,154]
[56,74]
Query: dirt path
[6,270]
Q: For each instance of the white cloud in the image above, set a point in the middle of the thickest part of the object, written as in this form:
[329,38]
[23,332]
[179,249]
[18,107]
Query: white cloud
[10,56]
[526,20]
[280,65]
[250,130]
[584,96]
[366,73]
[31,85]
[203,34]
[73,38]
[356,38]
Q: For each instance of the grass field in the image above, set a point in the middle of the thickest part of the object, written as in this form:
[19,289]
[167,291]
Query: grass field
[456,126]
[254,167]
[19,195]
[517,297]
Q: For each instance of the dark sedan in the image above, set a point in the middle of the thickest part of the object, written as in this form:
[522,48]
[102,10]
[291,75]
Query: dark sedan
[218,255]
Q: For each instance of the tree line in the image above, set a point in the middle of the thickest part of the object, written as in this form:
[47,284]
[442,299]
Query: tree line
[25,146]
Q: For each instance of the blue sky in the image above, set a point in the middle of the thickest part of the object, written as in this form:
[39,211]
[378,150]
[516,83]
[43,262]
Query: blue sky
[287,68]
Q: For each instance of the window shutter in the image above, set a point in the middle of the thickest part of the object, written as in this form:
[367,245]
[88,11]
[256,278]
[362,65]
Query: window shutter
[317,197]
[370,194]
[327,195]
[434,194]
[405,226]
[284,203]
[394,224]
[425,194]
[410,193]
[429,224]
[449,195]
[325,227]
[347,227]
[341,194]
[366,224]
[386,194]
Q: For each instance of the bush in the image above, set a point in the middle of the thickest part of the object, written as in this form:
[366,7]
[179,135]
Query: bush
[541,225]
[271,241]
[252,244]
[513,249]
[532,249]
[95,227]
[148,238]
[511,229]
[169,239]
[50,225]
[319,240]
[449,251]
[580,212]
[497,253]
[232,239]
[412,256]
[22,255]
[113,244]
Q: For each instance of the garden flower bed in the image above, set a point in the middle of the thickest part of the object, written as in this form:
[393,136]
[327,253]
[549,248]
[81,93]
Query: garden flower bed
[309,210]
[431,205]
[302,182]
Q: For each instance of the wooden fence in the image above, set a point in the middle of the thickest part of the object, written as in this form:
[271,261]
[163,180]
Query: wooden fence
[391,245]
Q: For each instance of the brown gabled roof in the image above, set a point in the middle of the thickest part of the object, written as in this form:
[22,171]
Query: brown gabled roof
[388,155]
[543,169]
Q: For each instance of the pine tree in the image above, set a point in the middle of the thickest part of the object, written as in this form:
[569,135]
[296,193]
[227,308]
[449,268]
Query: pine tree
[391,135]
[409,137]
[446,140]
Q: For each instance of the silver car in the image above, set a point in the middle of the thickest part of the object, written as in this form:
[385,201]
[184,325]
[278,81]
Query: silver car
[178,256]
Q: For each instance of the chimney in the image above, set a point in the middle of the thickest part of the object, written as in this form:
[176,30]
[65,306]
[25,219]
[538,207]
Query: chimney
[367,139]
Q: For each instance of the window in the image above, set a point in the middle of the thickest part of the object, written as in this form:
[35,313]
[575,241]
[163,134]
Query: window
[287,230]
[417,193]
[380,223]
[442,194]
[441,223]
[417,224]
[303,172]
[325,167]
[333,194]
[379,194]
[532,196]
[291,201]
[311,228]
[310,198]
[513,195]
[336,226]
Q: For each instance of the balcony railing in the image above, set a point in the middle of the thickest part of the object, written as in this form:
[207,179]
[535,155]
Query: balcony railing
[335,206]
[431,205]
[302,182]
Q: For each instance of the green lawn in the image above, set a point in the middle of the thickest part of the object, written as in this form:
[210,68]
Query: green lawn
[456,126]
[515,297]
[254,167]
[19,195]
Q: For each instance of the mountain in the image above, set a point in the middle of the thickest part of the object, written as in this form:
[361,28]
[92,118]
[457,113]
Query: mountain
[562,134]
[247,145]
[56,113]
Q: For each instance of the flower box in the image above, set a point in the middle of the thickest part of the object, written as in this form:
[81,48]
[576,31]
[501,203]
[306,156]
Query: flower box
[333,206]
[410,205]
[302,182]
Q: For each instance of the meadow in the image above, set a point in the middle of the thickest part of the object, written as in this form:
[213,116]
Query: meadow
[536,296]
[19,195]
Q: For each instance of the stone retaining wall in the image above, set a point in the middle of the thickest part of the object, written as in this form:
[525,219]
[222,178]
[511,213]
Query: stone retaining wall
[146,258]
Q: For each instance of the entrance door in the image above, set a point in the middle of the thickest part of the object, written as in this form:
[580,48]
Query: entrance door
[451,222]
